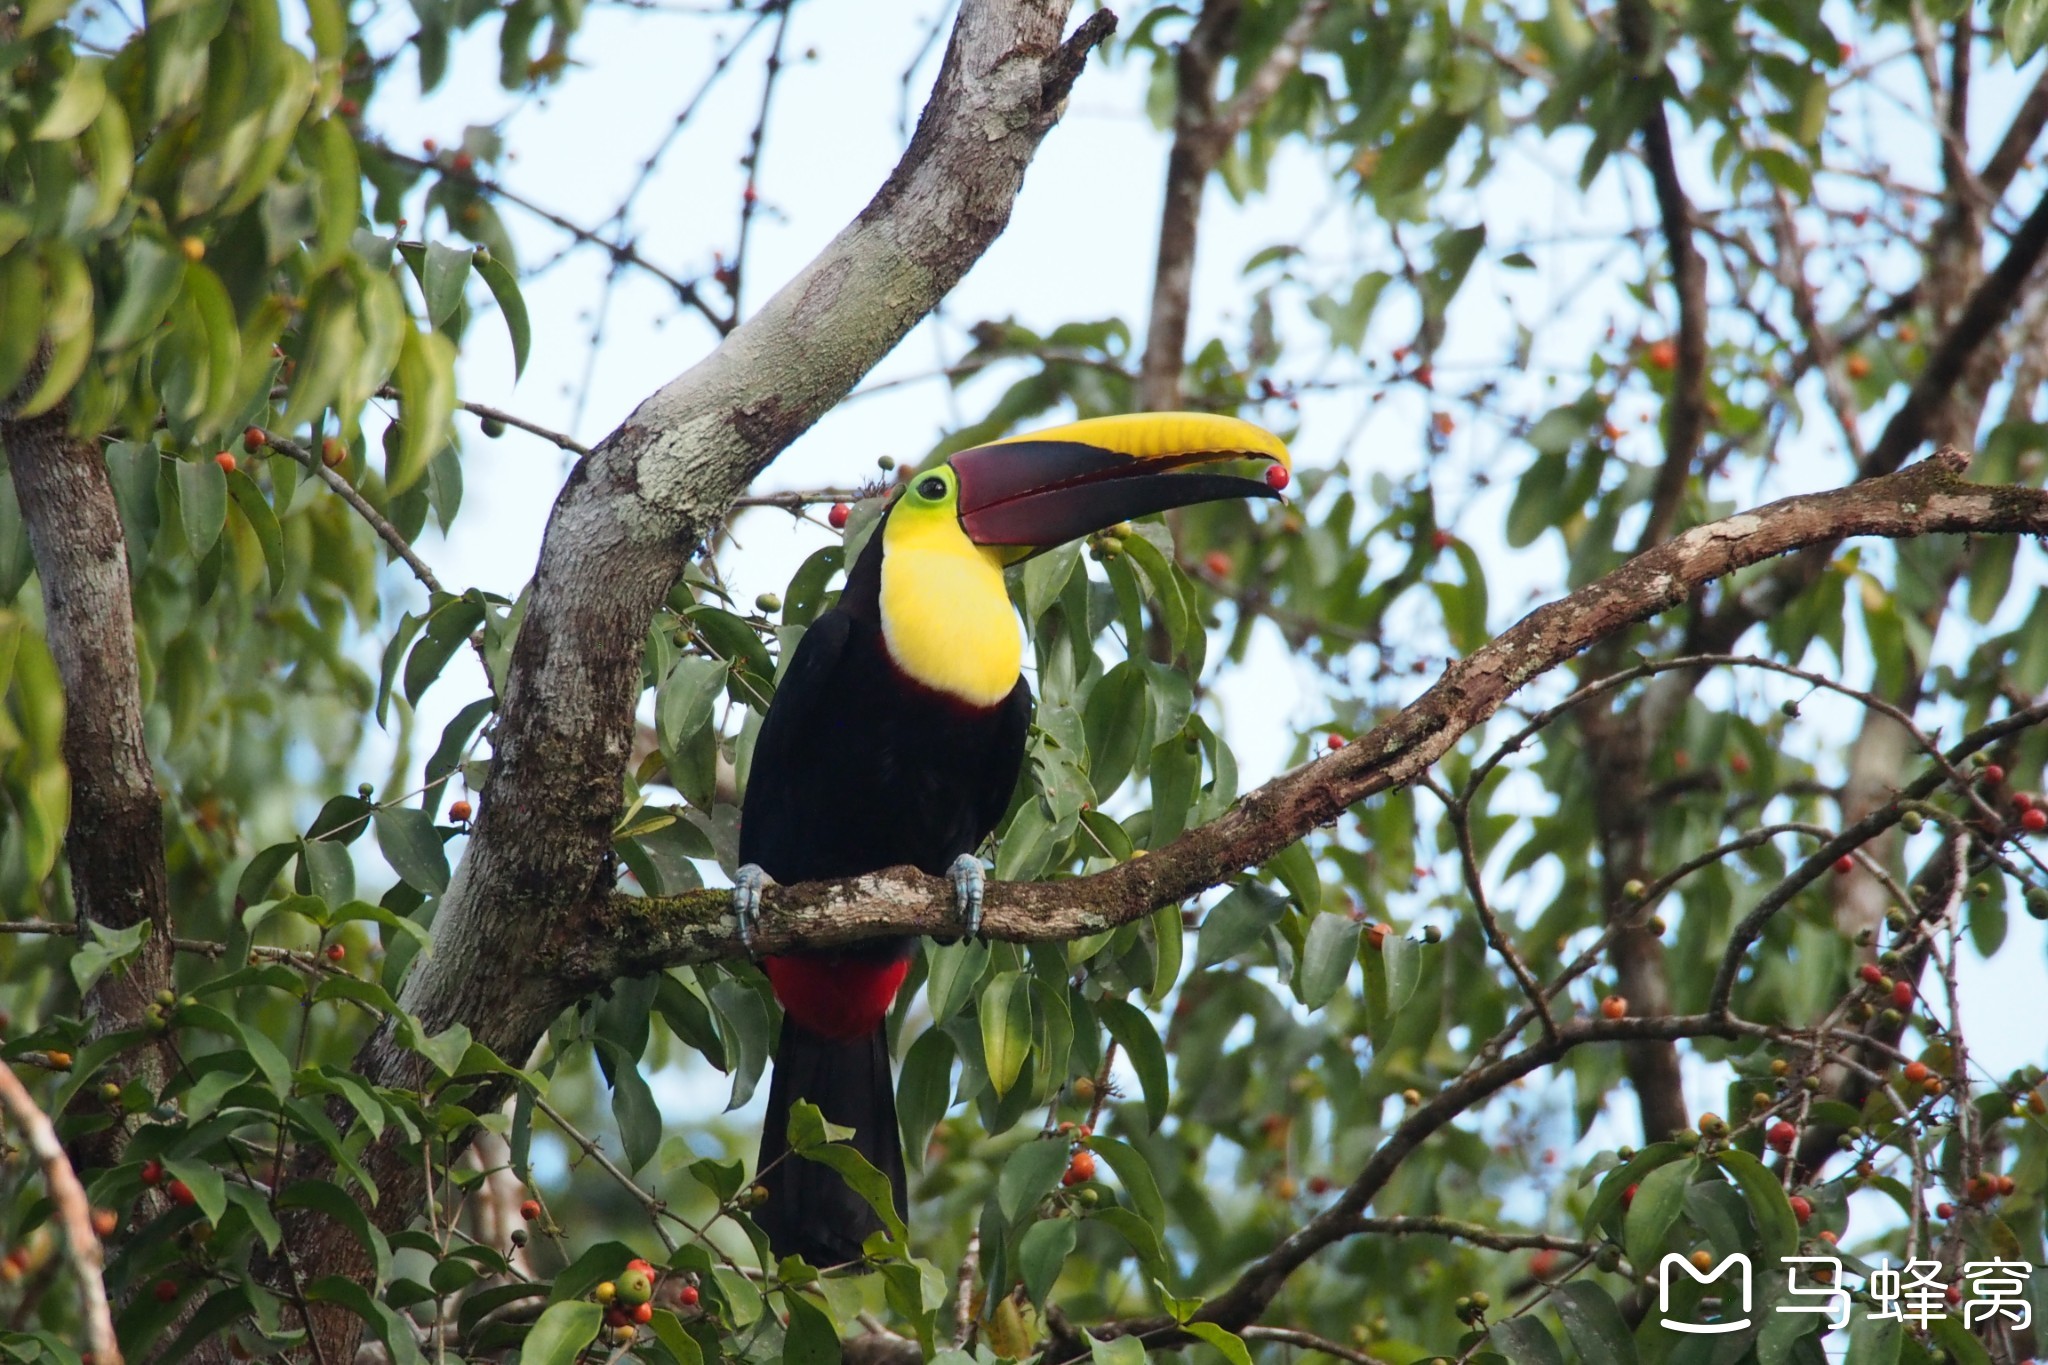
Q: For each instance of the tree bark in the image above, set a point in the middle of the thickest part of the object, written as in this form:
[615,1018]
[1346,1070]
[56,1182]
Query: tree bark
[115,842]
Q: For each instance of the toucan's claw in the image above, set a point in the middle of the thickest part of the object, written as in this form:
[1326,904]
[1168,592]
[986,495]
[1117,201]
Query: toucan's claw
[746,901]
[968,880]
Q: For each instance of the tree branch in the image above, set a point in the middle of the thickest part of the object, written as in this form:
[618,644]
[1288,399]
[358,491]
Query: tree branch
[628,935]
[74,1212]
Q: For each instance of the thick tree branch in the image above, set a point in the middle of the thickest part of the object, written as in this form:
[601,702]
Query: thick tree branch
[74,1212]
[630,935]
[115,843]
[538,862]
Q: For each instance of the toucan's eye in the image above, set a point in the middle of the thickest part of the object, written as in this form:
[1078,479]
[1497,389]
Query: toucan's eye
[933,488]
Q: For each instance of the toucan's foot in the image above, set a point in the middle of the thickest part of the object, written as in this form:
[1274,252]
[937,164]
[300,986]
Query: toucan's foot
[968,880]
[746,901]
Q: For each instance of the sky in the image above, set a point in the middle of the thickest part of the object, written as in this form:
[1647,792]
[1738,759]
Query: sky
[1079,246]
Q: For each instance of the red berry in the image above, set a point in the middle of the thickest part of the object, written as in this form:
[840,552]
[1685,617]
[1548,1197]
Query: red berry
[644,1267]
[1992,774]
[1319,1184]
[253,439]
[530,1210]
[617,1316]
[1954,1293]
[1217,563]
[1902,995]
[1613,1007]
[1080,1168]
[181,1193]
[689,1296]
[1802,1207]
[1662,355]
[165,1290]
[463,162]
[838,515]
[1440,539]
[1944,1210]
[1738,764]
[1277,477]
[1871,972]
[226,460]
[460,811]
[1335,741]
[1628,1196]
[335,952]
[1781,1135]
[1845,864]
[347,108]
[2022,801]
[2034,820]
[152,1172]
[644,1314]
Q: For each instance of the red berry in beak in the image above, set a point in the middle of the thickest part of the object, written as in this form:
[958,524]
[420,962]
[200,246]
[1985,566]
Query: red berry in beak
[1277,477]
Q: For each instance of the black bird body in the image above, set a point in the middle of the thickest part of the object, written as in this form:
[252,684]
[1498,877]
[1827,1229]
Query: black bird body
[858,767]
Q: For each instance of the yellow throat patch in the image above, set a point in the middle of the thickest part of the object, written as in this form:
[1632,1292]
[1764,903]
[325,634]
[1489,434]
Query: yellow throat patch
[946,616]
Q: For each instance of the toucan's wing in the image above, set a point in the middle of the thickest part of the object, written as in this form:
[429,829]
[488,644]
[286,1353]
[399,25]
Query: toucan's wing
[767,818]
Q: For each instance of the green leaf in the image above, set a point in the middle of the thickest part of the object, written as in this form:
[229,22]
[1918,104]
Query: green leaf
[426,402]
[2026,26]
[256,510]
[1223,1339]
[202,504]
[1660,1196]
[668,1330]
[1115,720]
[1133,1030]
[863,1179]
[152,271]
[1525,1341]
[924,1092]
[638,1117]
[1005,1013]
[1236,923]
[1124,1350]
[442,276]
[1766,1199]
[80,94]
[811,1338]
[561,1333]
[108,948]
[1028,1175]
[1594,1325]
[323,1197]
[1326,958]
[409,842]
[504,287]
[209,1191]
[1134,1173]
[1045,1248]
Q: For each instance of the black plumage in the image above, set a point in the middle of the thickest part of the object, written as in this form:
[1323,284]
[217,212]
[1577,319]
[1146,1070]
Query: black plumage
[858,767]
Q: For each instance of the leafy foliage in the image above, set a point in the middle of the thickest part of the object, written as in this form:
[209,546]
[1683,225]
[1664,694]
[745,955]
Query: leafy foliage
[204,253]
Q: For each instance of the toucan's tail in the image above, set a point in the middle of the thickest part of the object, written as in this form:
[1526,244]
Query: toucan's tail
[810,1211]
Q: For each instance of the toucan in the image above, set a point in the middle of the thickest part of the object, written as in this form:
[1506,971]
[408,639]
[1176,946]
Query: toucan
[896,736]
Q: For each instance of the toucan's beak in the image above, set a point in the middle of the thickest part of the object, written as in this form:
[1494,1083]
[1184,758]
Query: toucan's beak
[1054,486]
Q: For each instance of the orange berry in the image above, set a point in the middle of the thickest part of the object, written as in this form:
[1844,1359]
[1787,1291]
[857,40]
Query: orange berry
[460,811]
[530,1210]
[1080,1168]
[1858,366]
[1802,1207]
[226,460]
[105,1222]
[253,439]
[1662,355]
[1614,1007]
[1217,563]
[1917,1072]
